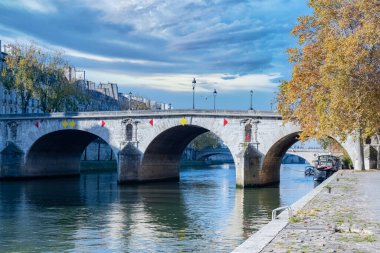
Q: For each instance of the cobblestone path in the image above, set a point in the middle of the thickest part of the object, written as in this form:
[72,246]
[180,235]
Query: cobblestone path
[345,220]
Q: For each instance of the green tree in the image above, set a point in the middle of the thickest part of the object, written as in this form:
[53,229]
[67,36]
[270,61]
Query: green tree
[21,72]
[33,72]
[206,140]
[335,85]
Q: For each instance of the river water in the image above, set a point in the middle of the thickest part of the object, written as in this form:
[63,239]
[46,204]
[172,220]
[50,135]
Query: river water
[204,212]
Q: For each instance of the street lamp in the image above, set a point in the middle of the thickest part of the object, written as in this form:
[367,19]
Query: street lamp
[251,92]
[214,93]
[130,97]
[194,82]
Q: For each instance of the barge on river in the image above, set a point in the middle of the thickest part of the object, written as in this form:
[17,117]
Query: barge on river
[325,166]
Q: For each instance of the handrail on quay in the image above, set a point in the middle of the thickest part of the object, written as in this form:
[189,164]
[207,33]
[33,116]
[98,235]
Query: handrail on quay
[274,212]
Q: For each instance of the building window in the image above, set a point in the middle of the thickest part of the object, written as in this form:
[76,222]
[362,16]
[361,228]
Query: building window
[129,130]
[248,133]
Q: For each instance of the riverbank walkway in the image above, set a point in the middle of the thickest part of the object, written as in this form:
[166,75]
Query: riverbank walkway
[343,217]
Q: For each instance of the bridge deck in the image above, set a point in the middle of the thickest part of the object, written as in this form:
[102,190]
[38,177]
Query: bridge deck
[147,113]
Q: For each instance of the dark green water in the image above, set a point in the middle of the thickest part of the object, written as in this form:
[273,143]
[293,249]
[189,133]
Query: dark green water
[204,212]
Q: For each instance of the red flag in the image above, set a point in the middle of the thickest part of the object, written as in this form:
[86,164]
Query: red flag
[103,123]
[151,122]
[225,122]
[37,124]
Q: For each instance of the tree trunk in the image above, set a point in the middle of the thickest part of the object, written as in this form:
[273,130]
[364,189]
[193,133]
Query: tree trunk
[359,163]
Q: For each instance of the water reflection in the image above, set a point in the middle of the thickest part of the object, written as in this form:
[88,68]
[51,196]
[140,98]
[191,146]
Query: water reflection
[203,212]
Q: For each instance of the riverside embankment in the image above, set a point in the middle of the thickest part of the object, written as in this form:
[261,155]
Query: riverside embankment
[342,215]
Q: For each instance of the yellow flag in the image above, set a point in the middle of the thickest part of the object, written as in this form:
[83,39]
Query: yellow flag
[183,121]
[65,124]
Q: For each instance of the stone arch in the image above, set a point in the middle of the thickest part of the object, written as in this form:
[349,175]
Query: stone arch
[270,172]
[58,153]
[161,158]
[301,156]
[210,154]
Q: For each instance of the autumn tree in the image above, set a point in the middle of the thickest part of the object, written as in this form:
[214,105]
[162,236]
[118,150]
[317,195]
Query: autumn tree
[335,85]
[334,147]
[53,89]
[21,72]
[35,73]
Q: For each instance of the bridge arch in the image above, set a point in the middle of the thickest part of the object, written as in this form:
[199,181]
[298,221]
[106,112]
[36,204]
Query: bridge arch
[58,153]
[209,154]
[270,171]
[161,158]
[308,159]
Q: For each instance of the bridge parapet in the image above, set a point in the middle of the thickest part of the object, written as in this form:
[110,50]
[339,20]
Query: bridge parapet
[145,113]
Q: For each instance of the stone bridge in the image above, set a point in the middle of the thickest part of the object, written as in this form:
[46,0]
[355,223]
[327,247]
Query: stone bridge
[310,155]
[148,144]
[204,154]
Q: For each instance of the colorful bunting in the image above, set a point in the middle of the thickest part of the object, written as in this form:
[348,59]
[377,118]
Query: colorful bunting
[183,121]
[37,124]
[65,124]
[151,122]
[103,123]
[225,122]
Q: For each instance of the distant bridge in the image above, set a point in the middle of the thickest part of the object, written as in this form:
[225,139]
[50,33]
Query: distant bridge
[205,153]
[148,144]
[310,155]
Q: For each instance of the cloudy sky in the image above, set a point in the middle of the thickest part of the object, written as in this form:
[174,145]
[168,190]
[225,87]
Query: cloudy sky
[155,48]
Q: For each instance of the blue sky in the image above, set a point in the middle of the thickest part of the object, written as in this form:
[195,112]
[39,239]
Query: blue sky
[155,48]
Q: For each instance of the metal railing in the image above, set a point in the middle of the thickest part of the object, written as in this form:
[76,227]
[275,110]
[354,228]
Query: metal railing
[274,212]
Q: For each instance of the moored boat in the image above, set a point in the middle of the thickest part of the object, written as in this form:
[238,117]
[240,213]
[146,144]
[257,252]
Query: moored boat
[325,166]
[309,170]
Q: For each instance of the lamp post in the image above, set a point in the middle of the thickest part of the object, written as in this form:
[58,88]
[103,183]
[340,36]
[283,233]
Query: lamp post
[251,92]
[194,82]
[130,98]
[214,93]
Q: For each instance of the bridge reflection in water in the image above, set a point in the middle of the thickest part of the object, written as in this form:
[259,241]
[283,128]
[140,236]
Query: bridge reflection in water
[204,212]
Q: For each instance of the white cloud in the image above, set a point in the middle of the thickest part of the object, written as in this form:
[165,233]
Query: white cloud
[9,36]
[146,16]
[182,82]
[41,6]
[106,59]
